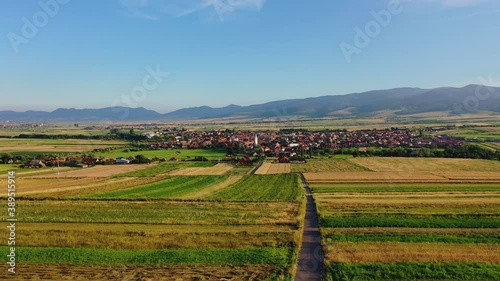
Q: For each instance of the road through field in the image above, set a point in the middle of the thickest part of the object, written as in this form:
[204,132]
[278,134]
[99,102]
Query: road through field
[310,263]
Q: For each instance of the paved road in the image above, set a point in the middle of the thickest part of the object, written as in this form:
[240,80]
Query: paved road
[310,267]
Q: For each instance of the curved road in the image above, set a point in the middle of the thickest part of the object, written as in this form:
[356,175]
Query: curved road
[310,265]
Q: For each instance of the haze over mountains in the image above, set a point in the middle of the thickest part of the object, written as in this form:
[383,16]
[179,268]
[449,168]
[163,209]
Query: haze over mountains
[399,101]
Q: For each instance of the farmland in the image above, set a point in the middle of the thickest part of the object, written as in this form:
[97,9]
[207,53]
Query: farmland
[171,187]
[408,221]
[168,153]
[156,217]
[273,168]
[55,146]
[262,187]
[335,165]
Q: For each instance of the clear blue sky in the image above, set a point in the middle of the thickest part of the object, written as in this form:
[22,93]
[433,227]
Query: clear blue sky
[91,53]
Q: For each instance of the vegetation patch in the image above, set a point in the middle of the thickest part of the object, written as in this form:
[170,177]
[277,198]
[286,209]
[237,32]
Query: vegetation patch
[283,187]
[404,271]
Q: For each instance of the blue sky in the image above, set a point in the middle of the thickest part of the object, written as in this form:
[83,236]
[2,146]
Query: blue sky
[95,53]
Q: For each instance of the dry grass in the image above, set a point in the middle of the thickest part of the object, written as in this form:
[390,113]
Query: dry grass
[97,171]
[399,164]
[27,186]
[51,186]
[137,236]
[373,252]
[281,168]
[61,272]
[210,190]
[494,176]
[217,170]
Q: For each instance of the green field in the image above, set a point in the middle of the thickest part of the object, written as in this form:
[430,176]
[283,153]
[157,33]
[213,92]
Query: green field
[283,187]
[410,231]
[164,168]
[413,271]
[402,187]
[171,187]
[276,256]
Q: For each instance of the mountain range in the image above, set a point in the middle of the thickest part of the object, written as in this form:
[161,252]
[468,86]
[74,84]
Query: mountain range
[399,101]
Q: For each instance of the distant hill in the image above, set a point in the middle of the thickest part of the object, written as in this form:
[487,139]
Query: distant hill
[401,101]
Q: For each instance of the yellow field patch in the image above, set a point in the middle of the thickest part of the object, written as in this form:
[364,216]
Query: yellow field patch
[374,177]
[263,169]
[98,171]
[217,170]
[401,164]
[372,252]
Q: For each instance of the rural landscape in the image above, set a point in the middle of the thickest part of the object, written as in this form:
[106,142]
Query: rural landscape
[236,210]
[250,140]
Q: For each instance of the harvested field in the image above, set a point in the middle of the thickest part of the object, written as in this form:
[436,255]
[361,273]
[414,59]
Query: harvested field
[27,186]
[403,177]
[140,236]
[263,169]
[97,186]
[491,176]
[281,168]
[217,170]
[49,145]
[157,212]
[372,252]
[97,171]
[399,164]
[61,272]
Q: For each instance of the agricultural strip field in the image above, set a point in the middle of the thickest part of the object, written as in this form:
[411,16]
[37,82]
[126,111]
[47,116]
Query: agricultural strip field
[491,145]
[188,154]
[49,146]
[273,168]
[252,240]
[262,188]
[398,164]
[99,171]
[384,227]
[63,272]
[170,187]
[348,189]
[219,169]
[335,165]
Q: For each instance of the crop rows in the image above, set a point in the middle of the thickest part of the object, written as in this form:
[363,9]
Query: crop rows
[171,187]
[283,187]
